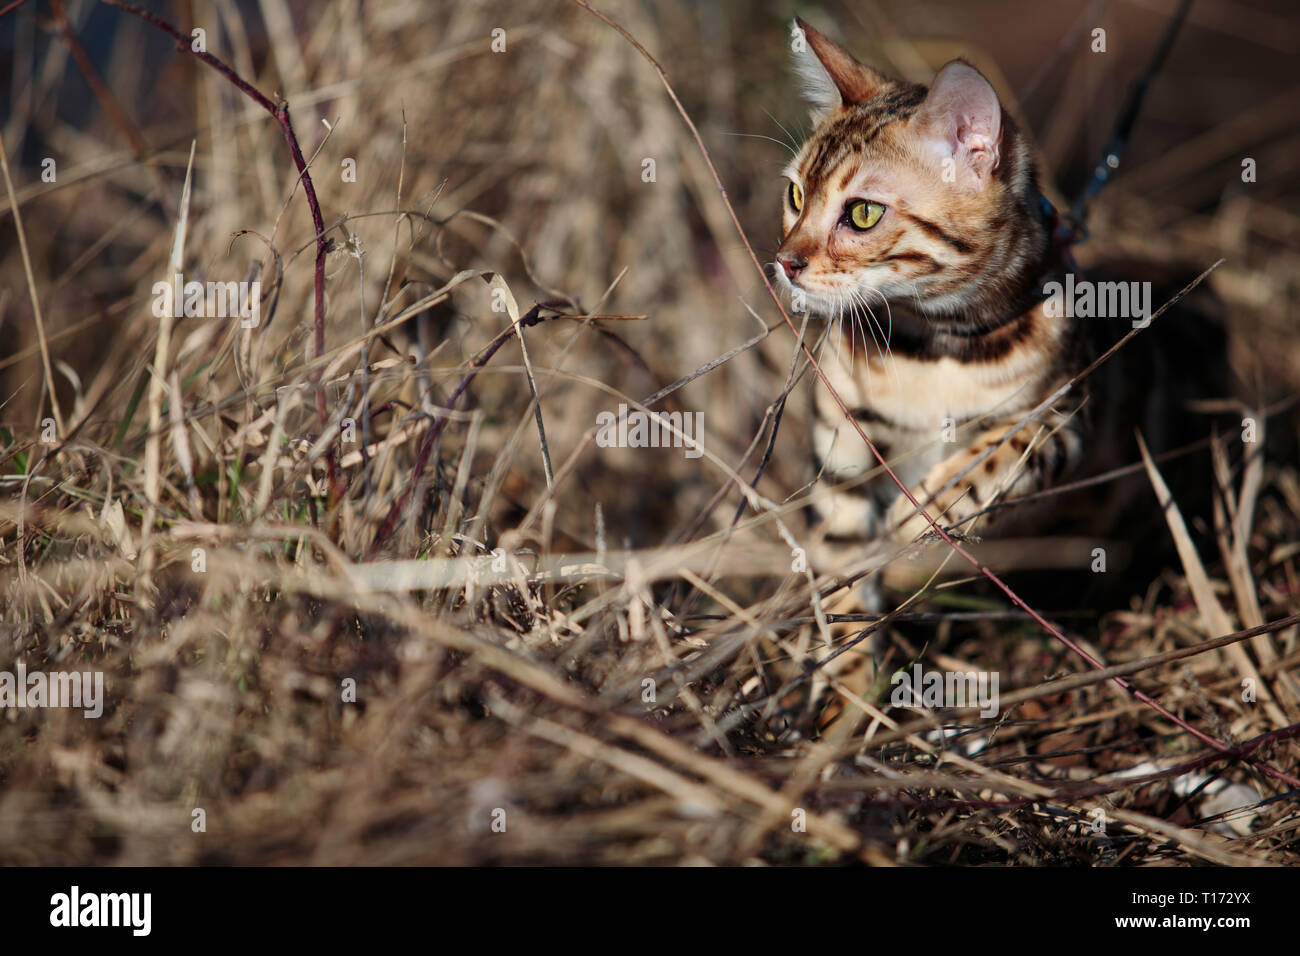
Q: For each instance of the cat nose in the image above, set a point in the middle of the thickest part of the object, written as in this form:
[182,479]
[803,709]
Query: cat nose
[792,263]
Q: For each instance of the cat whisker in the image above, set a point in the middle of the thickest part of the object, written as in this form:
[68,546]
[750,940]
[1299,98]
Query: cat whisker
[919,308]
[845,322]
[889,313]
[887,354]
[770,139]
[793,143]
[839,335]
[858,323]
[867,327]
[866,322]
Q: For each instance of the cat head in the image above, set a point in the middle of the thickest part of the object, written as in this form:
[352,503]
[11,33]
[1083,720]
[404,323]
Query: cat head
[922,195]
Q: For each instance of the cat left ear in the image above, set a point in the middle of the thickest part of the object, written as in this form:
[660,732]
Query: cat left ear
[832,77]
[961,122]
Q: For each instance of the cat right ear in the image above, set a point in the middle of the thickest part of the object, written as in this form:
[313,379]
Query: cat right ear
[832,77]
[961,124]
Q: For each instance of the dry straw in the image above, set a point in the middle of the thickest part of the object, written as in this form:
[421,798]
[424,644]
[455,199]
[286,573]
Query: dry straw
[362,588]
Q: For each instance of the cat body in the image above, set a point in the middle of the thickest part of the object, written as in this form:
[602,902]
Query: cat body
[914,222]
[913,216]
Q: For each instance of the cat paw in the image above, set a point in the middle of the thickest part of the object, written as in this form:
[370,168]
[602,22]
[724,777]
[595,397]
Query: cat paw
[950,508]
[965,484]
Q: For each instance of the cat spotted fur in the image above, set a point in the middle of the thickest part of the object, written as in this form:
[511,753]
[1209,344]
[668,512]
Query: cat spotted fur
[950,344]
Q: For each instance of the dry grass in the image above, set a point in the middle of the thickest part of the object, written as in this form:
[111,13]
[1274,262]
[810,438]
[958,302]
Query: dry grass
[500,610]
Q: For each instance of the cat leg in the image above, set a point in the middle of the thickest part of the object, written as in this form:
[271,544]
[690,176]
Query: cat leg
[846,528]
[850,661]
[1002,460]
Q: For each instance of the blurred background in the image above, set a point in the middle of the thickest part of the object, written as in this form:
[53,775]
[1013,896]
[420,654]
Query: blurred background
[549,138]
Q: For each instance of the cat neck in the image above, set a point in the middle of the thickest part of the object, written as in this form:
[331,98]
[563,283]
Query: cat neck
[1023,259]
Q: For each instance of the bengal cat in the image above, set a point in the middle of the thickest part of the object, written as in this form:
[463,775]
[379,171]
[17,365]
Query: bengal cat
[913,216]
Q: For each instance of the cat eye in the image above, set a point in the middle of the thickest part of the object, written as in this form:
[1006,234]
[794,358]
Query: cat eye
[862,214]
[796,197]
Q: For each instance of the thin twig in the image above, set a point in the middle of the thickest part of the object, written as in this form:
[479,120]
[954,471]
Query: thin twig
[530,318]
[31,291]
[280,110]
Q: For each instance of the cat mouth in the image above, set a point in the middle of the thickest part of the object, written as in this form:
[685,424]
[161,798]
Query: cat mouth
[812,300]
[806,293]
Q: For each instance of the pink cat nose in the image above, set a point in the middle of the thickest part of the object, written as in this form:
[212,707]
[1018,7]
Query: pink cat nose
[792,263]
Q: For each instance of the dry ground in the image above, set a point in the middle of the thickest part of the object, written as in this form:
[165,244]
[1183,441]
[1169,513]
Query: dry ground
[213,520]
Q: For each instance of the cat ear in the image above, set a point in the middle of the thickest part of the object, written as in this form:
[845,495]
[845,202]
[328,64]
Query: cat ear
[961,123]
[832,77]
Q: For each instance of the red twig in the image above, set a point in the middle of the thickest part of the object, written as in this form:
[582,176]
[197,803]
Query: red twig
[527,320]
[280,110]
[1086,791]
[1011,595]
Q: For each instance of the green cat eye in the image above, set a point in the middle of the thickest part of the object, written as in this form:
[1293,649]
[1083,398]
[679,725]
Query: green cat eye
[863,214]
[796,197]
